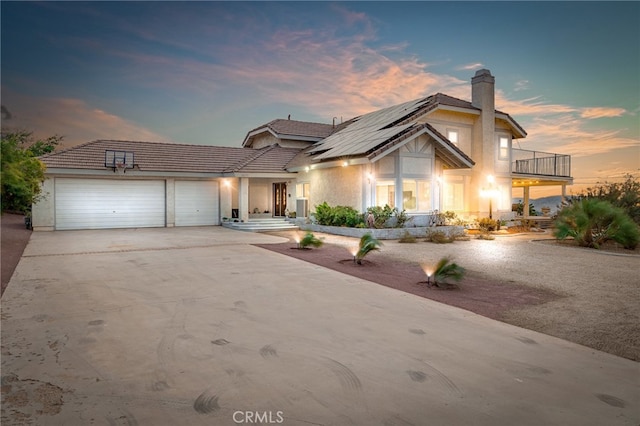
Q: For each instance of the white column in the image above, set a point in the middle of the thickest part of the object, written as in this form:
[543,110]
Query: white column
[243,199]
[525,201]
[170,196]
[225,198]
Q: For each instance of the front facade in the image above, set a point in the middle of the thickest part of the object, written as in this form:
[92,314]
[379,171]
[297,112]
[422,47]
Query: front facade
[434,153]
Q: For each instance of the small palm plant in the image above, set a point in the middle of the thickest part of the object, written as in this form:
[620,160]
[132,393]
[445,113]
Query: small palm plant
[368,243]
[446,269]
[309,240]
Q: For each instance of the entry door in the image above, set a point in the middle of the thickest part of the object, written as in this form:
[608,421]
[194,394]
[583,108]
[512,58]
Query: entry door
[279,198]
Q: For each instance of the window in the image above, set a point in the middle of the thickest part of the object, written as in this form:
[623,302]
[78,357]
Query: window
[416,195]
[504,148]
[303,190]
[453,198]
[452,135]
[385,193]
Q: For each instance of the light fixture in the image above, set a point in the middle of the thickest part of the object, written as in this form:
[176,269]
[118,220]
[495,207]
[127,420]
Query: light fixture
[226,183]
[306,169]
[354,252]
[345,163]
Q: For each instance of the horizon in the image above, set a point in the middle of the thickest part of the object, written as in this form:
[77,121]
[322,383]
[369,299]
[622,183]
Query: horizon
[209,72]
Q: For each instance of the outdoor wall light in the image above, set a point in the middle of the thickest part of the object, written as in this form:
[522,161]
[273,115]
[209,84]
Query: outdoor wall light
[369,177]
[306,169]
[354,253]
[345,163]
[226,183]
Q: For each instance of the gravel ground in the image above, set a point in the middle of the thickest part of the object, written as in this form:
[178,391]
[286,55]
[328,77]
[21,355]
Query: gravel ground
[600,303]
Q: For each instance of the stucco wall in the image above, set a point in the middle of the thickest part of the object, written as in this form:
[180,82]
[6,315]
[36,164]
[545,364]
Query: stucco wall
[337,186]
[43,212]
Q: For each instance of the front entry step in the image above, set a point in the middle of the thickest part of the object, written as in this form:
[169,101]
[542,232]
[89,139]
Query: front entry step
[261,225]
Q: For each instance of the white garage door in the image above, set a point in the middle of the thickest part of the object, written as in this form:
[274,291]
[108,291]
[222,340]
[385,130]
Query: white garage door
[196,203]
[102,203]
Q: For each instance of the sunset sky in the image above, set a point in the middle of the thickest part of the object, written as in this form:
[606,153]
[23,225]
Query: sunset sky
[208,72]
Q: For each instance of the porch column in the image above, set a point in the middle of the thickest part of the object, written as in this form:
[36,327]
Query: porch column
[525,201]
[564,194]
[225,198]
[243,199]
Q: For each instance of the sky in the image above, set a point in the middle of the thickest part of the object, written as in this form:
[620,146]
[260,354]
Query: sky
[209,72]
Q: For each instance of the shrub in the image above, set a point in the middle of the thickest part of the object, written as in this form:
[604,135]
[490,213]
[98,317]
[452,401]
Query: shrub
[310,240]
[386,216]
[407,238]
[368,243]
[592,222]
[337,216]
[438,237]
[487,225]
[625,195]
[445,269]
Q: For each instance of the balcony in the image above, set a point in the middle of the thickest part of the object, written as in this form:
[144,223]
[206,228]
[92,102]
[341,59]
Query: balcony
[538,163]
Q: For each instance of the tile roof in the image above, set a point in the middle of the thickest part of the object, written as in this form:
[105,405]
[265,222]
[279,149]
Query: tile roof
[169,157]
[293,129]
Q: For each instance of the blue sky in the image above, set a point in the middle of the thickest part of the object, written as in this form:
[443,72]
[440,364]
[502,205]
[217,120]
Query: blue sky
[208,72]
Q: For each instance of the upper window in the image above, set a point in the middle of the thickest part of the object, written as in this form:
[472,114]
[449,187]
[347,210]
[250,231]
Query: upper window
[504,148]
[452,135]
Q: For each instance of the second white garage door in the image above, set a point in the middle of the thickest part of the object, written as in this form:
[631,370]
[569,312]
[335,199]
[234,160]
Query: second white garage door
[196,203]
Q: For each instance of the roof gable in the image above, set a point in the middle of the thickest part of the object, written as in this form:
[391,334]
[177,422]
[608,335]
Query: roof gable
[292,129]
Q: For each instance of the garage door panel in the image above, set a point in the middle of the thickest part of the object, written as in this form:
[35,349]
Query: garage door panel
[102,203]
[196,203]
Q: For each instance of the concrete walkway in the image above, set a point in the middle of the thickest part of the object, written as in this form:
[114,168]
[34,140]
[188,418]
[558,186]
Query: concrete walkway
[194,326]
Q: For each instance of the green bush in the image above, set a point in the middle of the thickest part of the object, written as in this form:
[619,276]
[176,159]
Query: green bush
[337,216]
[368,243]
[310,240]
[592,222]
[487,225]
[445,270]
[625,195]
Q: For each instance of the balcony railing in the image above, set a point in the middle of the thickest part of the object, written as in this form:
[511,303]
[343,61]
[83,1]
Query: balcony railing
[540,163]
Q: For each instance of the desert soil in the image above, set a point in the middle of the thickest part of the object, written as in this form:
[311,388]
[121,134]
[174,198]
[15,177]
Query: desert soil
[586,296]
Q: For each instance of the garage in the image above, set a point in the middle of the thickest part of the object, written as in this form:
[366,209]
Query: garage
[196,203]
[109,203]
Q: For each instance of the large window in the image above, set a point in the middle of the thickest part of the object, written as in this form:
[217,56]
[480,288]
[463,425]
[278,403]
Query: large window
[416,195]
[385,193]
[453,196]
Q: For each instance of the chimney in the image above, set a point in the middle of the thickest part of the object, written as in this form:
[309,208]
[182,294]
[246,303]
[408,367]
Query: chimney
[483,90]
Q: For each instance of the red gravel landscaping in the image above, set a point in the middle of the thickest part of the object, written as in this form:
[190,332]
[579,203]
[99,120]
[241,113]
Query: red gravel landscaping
[487,298]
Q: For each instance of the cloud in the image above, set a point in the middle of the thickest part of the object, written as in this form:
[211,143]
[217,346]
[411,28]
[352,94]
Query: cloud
[73,119]
[602,112]
[469,67]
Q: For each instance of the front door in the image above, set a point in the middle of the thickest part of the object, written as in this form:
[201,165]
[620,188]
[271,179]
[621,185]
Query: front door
[279,198]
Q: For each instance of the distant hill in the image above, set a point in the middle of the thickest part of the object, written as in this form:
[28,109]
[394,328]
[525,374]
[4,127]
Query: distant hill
[553,202]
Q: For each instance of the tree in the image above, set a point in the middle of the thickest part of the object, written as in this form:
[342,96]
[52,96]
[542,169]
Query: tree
[22,172]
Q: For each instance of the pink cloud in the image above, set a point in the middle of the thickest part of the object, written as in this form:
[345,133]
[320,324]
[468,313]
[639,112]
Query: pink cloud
[74,119]
[602,112]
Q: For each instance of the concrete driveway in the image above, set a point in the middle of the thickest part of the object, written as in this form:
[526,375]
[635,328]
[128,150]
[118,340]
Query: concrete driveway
[195,326]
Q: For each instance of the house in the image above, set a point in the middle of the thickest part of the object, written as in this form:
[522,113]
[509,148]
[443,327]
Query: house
[433,153]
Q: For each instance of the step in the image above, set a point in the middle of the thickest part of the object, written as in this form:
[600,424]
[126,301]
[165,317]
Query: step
[257,225]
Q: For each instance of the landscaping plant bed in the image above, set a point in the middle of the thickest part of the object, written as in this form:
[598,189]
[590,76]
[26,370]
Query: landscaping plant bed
[487,298]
